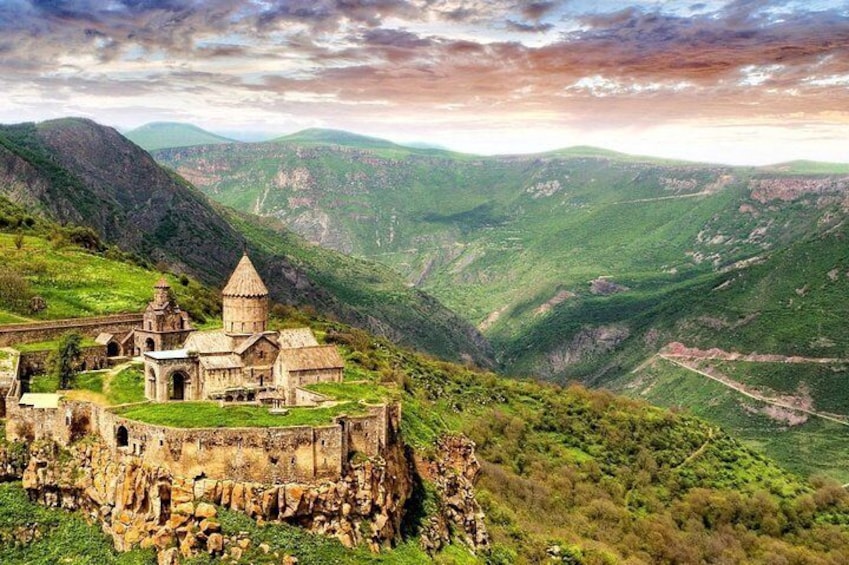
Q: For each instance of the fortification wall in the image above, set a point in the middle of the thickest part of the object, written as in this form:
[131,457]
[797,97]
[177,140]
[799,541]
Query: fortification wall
[11,334]
[301,454]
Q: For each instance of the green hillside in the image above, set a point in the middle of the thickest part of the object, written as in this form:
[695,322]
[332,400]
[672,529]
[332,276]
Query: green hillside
[601,478]
[546,253]
[160,135]
[77,172]
[805,444]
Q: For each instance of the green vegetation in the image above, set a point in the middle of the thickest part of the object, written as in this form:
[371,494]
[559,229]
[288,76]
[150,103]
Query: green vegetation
[90,380]
[369,392]
[604,478]
[76,282]
[512,243]
[211,415]
[802,443]
[159,135]
[31,534]
[126,386]
[62,363]
[75,160]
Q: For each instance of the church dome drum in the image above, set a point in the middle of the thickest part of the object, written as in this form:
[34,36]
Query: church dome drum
[245,301]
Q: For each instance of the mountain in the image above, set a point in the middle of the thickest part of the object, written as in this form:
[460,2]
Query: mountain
[159,135]
[574,262]
[75,171]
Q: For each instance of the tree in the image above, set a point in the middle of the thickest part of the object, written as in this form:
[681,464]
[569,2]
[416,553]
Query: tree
[63,361]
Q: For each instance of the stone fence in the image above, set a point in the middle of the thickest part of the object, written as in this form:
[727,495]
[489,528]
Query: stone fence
[11,334]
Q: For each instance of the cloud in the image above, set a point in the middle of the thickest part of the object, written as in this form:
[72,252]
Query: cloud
[471,61]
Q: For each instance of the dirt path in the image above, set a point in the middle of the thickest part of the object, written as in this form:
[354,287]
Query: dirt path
[675,197]
[107,378]
[681,351]
[755,396]
[699,451]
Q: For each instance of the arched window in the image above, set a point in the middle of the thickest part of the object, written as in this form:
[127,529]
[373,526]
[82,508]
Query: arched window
[122,437]
[149,345]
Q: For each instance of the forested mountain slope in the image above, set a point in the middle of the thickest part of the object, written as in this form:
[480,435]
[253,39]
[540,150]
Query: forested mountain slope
[76,171]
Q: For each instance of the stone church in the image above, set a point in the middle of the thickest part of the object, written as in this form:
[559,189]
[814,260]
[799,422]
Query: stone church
[243,361]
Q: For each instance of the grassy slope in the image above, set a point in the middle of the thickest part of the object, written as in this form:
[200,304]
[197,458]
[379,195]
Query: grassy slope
[791,303]
[160,135]
[814,446]
[75,282]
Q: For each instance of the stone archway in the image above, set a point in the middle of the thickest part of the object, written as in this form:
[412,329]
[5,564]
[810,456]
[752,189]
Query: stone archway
[177,385]
[149,345]
[122,437]
[113,349]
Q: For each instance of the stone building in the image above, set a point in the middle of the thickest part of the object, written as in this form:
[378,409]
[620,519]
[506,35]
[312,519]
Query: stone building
[164,325]
[243,361]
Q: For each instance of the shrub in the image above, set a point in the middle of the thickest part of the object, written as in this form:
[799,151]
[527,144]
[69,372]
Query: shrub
[15,291]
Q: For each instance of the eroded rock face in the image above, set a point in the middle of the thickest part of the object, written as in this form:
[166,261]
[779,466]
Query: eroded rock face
[145,506]
[13,460]
[453,472]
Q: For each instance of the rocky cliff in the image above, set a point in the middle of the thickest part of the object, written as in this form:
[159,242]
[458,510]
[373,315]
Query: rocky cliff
[453,472]
[140,505]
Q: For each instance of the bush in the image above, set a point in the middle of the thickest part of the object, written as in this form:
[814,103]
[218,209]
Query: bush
[15,291]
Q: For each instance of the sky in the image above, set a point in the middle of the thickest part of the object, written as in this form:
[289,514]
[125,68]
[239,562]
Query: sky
[739,82]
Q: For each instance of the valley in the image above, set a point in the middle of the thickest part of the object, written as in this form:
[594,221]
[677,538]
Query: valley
[588,280]
[580,265]
[520,245]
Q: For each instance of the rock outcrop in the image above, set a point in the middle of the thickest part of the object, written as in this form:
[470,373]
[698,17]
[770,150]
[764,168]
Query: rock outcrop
[140,505]
[453,472]
[13,460]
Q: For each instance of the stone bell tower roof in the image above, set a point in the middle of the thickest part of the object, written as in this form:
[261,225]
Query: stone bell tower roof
[162,283]
[245,281]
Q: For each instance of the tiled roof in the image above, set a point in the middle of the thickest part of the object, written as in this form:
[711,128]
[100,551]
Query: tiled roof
[297,337]
[312,358]
[103,338]
[213,341]
[39,400]
[168,354]
[245,281]
[230,361]
[245,345]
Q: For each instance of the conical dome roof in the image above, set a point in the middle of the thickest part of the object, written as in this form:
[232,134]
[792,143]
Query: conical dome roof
[162,283]
[245,281]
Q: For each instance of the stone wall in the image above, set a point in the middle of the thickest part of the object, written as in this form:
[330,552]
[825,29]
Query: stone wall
[143,505]
[267,455]
[92,357]
[11,334]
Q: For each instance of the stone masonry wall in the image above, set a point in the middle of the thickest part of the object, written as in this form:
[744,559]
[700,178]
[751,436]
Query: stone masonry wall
[266,455]
[140,504]
[11,334]
[35,362]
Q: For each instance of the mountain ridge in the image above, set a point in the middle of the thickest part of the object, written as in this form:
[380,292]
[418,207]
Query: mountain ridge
[161,135]
[77,171]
